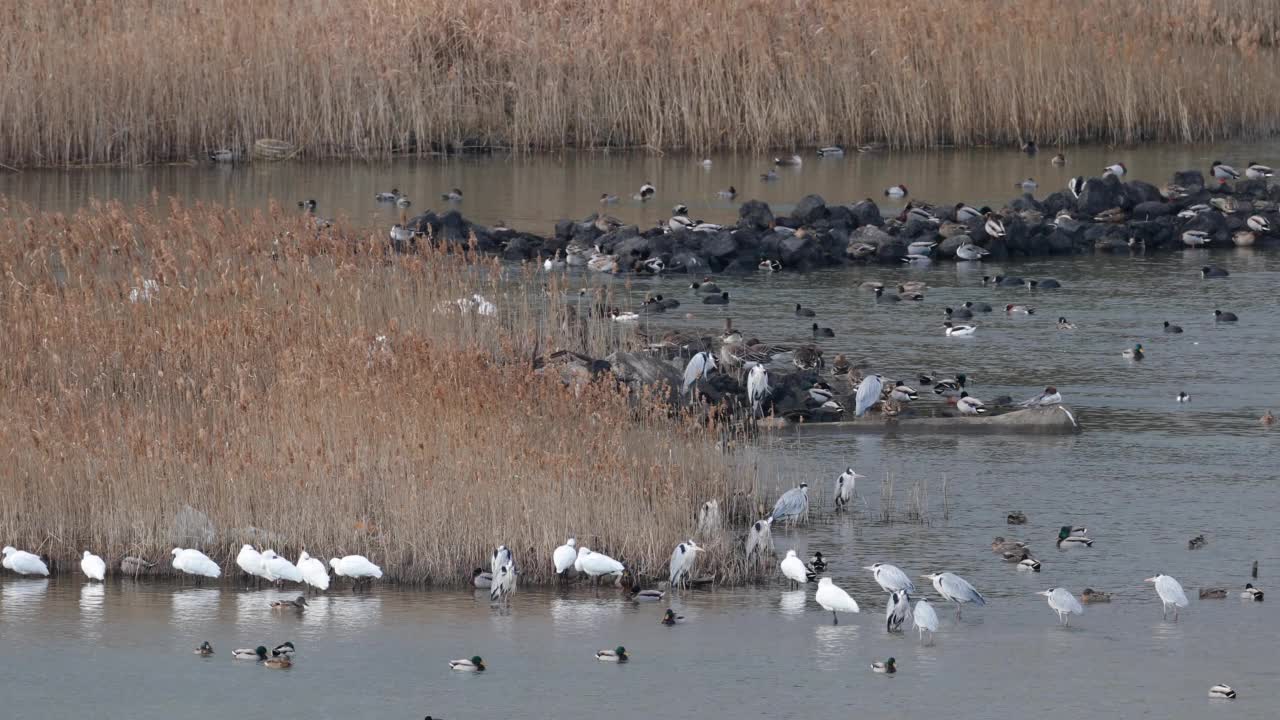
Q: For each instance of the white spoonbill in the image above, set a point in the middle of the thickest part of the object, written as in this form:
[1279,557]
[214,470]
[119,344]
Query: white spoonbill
[595,564]
[891,578]
[831,597]
[194,562]
[356,567]
[249,560]
[23,562]
[793,568]
[956,589]
[926,620]
[564,556]
[93,566]
[278,569]
[1170,592]
[682,562]
[1063,603]
[314,573]
[845,486]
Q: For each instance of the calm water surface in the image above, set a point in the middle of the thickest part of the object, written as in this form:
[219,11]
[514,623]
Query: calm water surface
[1144,476]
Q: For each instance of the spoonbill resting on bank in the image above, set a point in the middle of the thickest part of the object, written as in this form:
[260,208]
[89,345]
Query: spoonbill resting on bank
[356,567]
[277,569]
[314,573]
[194,562]
[249,560]
[595,564]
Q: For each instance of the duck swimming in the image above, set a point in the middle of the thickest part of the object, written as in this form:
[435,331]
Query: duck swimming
[721,299]
[887,667]
[1063,324]
[278,663]
[1068,539]
[647,191]
[728,193]
[792,161]
[1183,397]
[1016,518]
[298,604]
[1212,593]
[1251,593]
[1095,596]
[1222,316]
[1171,328]
[825,332]
[1197,542]
[387,197]
[205,649]
[671,618]
[953,330]
[1134,353]
[963,313]
[474,664]
[896,191]
[616,655]
[1222,692]
[770,266]
[1059,159]
[259,653]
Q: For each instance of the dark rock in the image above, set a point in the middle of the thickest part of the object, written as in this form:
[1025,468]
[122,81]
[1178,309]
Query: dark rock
[1026,202]
[871,235]
[1151,209]
[866,212]
[1059,201]
[840,217]
[810,209]
[1255,189]
[722,246]
[797,251]
[755,215]
[689,262]
[1192,180]
[1142,192]
[642,372]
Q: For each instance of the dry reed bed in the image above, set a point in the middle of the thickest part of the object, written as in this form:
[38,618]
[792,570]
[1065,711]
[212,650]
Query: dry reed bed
[127,82]
[253,388]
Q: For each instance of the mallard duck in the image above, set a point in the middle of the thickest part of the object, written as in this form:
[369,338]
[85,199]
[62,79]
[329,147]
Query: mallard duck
[1118,169]
[601,262]
[647,191]
[297,604]
[817,562]
[901,392]
[896,191]
[994,226]
[1251,593]
[607,199]
[403,201]
[284,648]
[791,161]
[970,405]
[1213,593]
[1059,159]
[482,579]
[1222,692]
[887,667]
[671,618]
[1223,173]
[1001,545]
[1063,324]
[953,330]
[767,265]
[1028,563]
[1196,238]
[1016,518]
[909,294]
[1134,353]
[728,193]
[1095,596]
[281,662]
[387,197]
[1256,171]
[1067,538]
[616,655]
[555,262]
[949,387]
[1197,542]
[205,649]
[970,252]
[475,664]
[259,653]
[831,151]
[634,593]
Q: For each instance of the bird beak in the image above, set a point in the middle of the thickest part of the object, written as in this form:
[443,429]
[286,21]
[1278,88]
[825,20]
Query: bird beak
[1044,593]
[1150,579]
[868,567]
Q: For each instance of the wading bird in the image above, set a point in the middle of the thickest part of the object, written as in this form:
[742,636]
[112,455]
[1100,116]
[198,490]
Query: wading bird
[1171,594]
[831,597]
[1063,603]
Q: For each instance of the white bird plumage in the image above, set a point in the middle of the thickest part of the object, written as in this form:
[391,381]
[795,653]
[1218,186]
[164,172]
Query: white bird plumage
[846,484]
[249,560]
[595,564]
[758,388]
[1064,603]
[503,585]
[23,562]
[760,539]
[682,562]
[276,568]
[313,572]
[93,566]
[501,556]
[1222,691]
[868,394]
[891,577]
[1170,592]
[830,596]
[794,569]
[564,556]
[356,567]
[699,367]
[925,619]
[194,562]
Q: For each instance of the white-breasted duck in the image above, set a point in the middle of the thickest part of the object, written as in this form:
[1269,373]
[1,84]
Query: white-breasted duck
[1076,185]
[1251,593]
[1134,353]
[994,226]
[969,405]
[1118,169]
[647,191]
[1258,223]
[387,197]
[831,151]
[1223,173]
[789,161]
[1059,160]
[896,191]
[953,330]
[1068,538]
[1256,171]
[728,193]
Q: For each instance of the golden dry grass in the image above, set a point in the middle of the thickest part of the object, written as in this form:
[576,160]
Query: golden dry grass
[128,82]
[252,387]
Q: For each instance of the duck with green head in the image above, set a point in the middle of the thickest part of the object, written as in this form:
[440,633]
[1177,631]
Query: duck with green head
[474,664]
[671,618]
[1134,353]
[887,667]
[1068,539]
[284,648]
[617,655]
[259,653]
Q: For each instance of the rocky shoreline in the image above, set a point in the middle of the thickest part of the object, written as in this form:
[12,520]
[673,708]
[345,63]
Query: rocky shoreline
[1108,215]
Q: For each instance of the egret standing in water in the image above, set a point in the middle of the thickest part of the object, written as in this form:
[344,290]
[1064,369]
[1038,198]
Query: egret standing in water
[897,614]
[1171,595]
[793,506]
[891,578]
[1063,603]
[845,486]
[956,589]
[925,619]
[830,597]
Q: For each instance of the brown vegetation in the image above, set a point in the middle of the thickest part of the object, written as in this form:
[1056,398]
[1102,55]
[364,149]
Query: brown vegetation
[317,388]
[129,82]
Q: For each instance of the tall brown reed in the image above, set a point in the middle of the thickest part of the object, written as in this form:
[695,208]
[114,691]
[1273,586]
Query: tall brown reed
[314,387]
[127,82]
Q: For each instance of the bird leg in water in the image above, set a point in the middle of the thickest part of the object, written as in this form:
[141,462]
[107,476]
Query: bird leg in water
[835,619]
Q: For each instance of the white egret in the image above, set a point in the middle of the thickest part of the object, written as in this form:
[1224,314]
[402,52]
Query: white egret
[194,562]
[1222,691]
[1170,592]
[831,597]
[925,619]
[314,573]
[682,562]
[501,556]
[356,567]
[278,569]
[249,560]
[758,389]
[23,562]
[793,568]
[897,614]
[793,506]
[595,564]
[891,578]
[504,583]
[564,556]
[1063,603]
[699,367]
[868,394]
[956,589]
[760,538]
[846,484]
[93,566]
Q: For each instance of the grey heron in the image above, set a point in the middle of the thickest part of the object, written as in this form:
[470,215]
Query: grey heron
[897,614]
[891,578]
[925,619]
[956,589]
[793,506]
[868,394]
[1170,592]
[1063,603]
